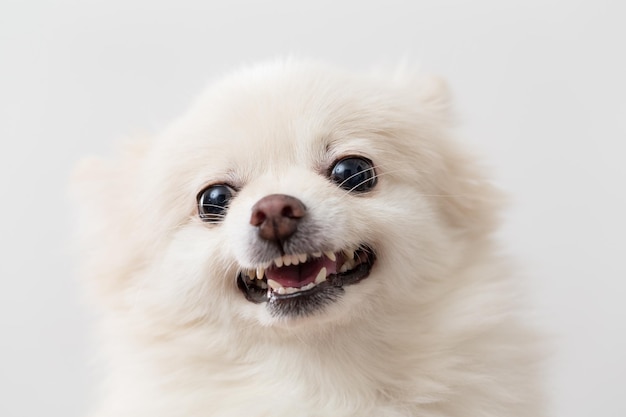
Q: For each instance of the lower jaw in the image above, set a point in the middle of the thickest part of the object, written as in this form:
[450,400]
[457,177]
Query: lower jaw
[314,301]
[307,302]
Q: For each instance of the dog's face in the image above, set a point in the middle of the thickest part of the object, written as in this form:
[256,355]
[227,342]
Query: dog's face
[290,195]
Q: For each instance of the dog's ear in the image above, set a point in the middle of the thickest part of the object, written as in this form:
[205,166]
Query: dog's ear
[431,92]
[434,92]
[468,200]
[102,192]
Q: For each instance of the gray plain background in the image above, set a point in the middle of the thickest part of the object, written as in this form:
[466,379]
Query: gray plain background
[539,86]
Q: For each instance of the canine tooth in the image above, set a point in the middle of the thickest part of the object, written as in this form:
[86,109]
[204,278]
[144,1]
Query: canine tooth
[321,276]
[302,258]
[317,254]
[278,262]
[331,256]
[260,273]
[275,285]
[286,260]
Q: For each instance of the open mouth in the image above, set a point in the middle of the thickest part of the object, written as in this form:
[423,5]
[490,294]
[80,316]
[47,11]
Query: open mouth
[296,283]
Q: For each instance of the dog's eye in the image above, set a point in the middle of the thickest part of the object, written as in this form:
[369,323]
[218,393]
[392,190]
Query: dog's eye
[213,201]
[354,173]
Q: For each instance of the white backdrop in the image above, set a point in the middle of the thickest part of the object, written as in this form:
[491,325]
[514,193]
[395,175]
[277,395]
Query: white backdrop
[539,84]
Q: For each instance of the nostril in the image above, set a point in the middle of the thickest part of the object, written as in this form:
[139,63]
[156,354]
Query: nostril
[257,218]
[288,212]
[293,209]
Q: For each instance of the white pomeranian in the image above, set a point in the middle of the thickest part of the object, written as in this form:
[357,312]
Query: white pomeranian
[304,242]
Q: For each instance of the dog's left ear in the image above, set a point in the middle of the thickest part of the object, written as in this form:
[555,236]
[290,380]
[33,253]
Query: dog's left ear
[431,92]
[468,200]
[434,92]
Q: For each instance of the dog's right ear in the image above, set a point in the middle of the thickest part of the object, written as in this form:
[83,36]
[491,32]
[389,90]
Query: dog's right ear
[102,188]
[102,192]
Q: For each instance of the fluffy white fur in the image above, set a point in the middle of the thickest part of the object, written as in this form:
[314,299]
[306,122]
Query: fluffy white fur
[432,332]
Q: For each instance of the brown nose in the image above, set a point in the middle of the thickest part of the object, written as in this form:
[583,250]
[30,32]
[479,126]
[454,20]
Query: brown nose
[277,216]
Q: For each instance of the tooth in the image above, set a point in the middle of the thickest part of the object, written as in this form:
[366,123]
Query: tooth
[281,290]
[317,254]
[349,254]
[287,260]
[260,273]
[295,260]
[275,285]
[302,258]
[331,256]
[291,290]
[308,286]
[251,274]
[321,276]
[347,265]
[278,262]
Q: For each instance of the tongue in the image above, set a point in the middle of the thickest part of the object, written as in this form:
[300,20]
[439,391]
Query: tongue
[296,276]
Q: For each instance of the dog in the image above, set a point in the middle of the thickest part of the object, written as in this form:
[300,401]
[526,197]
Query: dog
[305,241]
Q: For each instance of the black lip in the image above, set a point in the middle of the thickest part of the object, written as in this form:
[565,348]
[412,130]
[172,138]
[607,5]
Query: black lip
[306,302]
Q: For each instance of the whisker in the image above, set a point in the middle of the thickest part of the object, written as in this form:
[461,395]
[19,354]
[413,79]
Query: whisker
[213,205]
[378,175]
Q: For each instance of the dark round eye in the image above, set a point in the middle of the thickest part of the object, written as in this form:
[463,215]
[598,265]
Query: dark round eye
[213,202]
[354,173]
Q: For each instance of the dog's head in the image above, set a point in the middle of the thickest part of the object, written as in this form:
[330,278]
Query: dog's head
[290,194]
